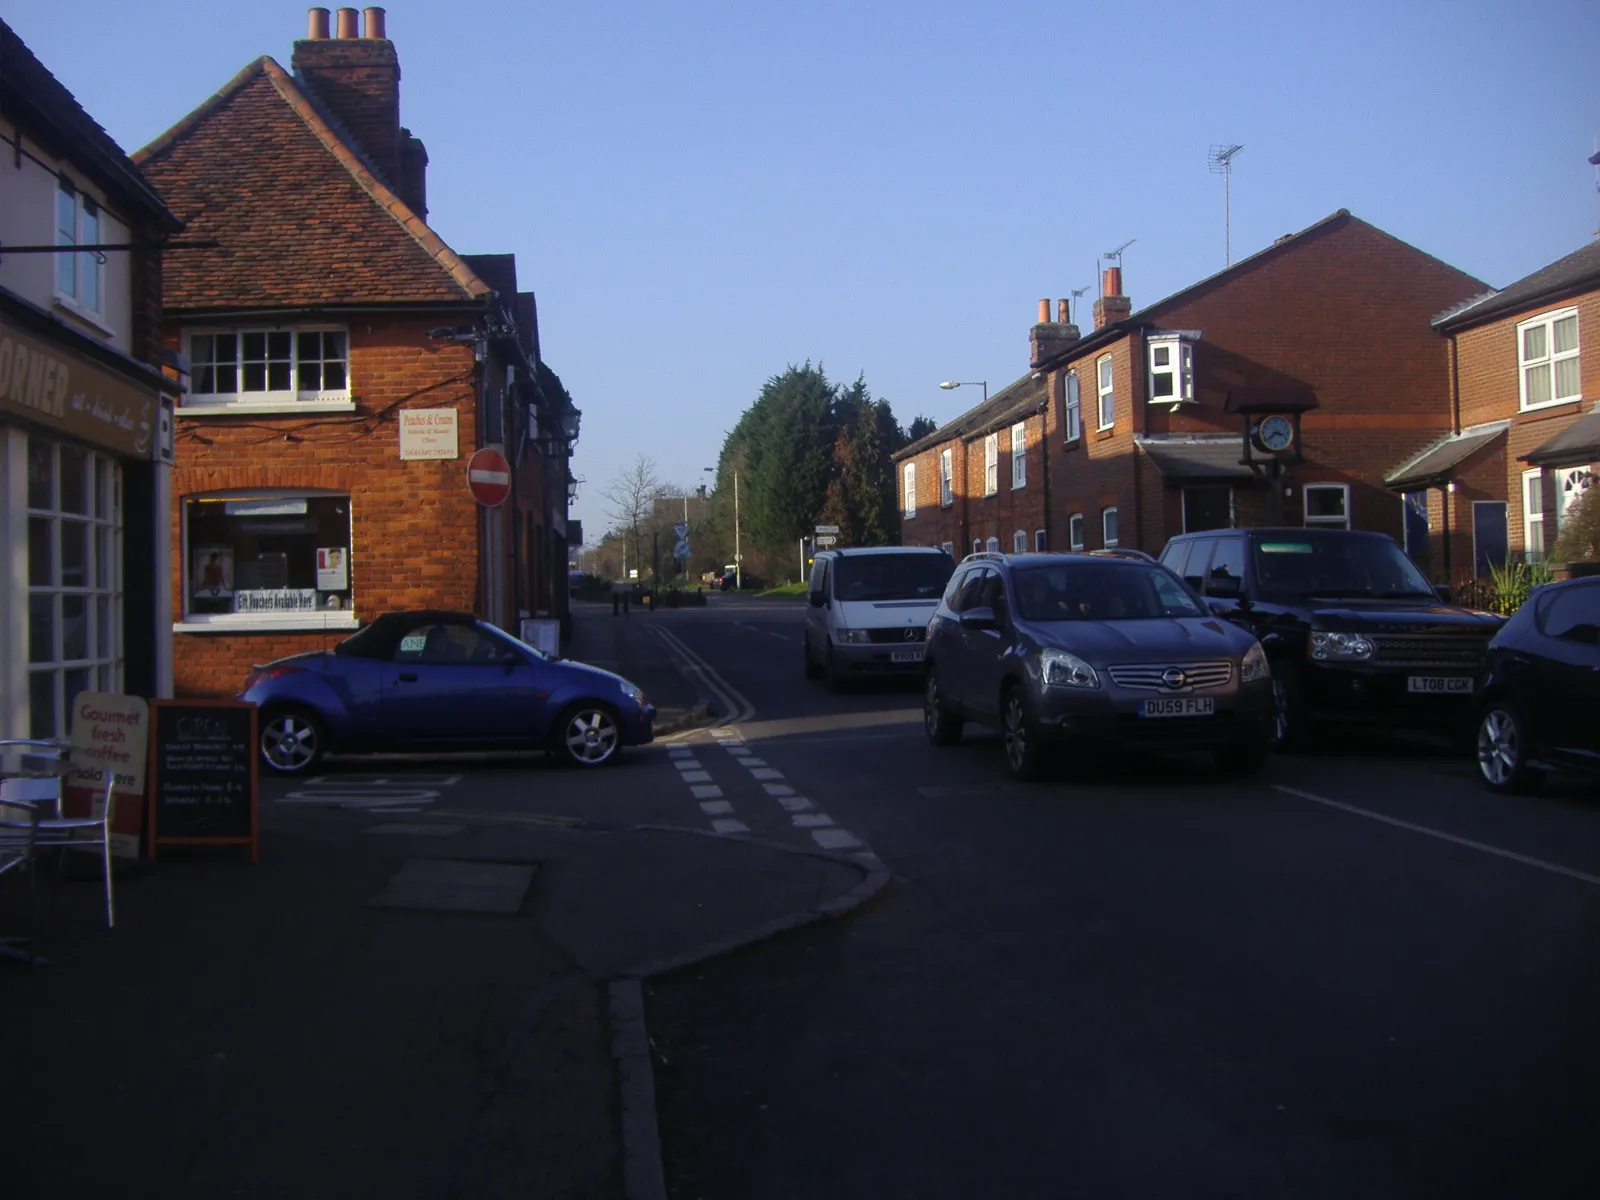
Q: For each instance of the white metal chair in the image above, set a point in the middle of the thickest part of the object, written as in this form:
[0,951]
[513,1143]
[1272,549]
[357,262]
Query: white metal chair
[45,793]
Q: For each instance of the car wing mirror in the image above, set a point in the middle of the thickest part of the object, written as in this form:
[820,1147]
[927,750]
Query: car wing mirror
[979,618]
[817,599]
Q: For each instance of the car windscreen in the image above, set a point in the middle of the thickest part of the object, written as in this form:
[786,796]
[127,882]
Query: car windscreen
[1101,591]
[891,576]
[1334,566]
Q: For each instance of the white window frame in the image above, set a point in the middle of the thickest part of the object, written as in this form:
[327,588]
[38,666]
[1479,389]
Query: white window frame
[1105,373]
[1571,482]
[1040,541]
[1180,365]
[1550,359]
[342,618]
[992,545]
[1073,406]
[949,548]
[991,464]
[290,399]
[1533,522]
[1341,522]
[909,491]
[947,491]
[1019,541]
[1019,456]
[1075,531]
[85,266]
[1108,523]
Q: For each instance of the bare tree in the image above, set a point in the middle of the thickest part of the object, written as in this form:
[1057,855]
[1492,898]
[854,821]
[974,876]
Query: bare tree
[631,502]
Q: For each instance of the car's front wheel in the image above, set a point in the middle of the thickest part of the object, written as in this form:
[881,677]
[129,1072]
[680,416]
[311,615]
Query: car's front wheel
[943,727]
[292,740]
[1291,731]
[1503,749]
[813,668]
[587,735]
[1025,757]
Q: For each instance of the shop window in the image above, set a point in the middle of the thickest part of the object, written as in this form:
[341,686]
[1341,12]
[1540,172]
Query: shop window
[260,558]
[74,516]
[257,367]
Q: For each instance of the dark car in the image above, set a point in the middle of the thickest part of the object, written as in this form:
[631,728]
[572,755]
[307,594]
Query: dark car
[434,681]
[1354,631]
[1539,693]
[1066,653]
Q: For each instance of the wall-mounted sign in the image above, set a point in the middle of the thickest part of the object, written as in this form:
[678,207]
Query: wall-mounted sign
[428,433]
[275,600]
[264,508]
[333,571]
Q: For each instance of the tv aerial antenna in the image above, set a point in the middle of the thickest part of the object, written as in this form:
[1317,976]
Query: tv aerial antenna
[1112,256]
[1072,304]
[1220,160]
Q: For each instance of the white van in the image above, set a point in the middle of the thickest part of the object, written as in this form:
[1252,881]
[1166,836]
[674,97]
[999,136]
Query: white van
[869,610]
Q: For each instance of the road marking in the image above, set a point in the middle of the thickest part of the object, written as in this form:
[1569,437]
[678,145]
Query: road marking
[687,764]
[794,803]
[696,777]
[811,820]
[735,706]
[716,808]
[1524,859]
[729,825]
[835,839]
[679,752]
[777,789]
[706,791]
[747,760]
[765,773]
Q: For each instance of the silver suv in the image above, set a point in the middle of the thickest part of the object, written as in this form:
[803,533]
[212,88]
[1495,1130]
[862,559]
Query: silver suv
[1064,651]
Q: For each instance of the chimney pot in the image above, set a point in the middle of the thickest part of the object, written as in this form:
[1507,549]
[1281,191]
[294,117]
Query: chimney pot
[317,29]
[1044,312]
[348,27]
[373,24]
[1062,316]
[1112,284]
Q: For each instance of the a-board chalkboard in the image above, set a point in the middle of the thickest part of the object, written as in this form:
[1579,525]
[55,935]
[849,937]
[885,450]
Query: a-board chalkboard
[203,773]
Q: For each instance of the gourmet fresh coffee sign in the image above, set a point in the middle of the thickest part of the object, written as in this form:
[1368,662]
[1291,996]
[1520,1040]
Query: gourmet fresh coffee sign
[46,384]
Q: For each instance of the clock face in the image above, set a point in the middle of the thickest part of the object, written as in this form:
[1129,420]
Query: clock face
[1275,433]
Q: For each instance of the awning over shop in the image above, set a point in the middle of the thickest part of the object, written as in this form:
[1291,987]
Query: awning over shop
[1197,458]
[1575,446]
[1438,462]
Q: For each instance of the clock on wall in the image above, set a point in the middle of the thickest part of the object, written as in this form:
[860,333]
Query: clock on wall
[1275,434]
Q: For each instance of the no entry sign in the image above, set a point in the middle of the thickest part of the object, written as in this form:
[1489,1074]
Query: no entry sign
[489,477]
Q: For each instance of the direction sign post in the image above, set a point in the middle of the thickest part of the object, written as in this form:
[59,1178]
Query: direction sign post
[827,529]
[489,477]
[827,539]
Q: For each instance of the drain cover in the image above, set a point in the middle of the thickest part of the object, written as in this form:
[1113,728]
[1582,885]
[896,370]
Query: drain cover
[453,885]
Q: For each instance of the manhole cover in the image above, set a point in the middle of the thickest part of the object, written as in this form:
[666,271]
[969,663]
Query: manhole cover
[453,885]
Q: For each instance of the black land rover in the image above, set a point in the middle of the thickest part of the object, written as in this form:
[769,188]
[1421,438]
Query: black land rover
[1352,629]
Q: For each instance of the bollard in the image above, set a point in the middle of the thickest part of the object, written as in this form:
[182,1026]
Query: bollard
[614,601]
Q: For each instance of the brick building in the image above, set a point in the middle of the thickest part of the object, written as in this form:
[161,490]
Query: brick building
[85,410]
[1148,420]
[344,364]
[1524,436]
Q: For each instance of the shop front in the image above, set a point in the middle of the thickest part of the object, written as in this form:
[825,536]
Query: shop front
[85,452]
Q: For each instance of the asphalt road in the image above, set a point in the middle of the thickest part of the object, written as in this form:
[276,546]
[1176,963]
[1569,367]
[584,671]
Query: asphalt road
[1361,976]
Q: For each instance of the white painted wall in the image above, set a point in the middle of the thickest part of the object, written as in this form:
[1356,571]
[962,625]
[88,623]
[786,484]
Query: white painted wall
[27,218]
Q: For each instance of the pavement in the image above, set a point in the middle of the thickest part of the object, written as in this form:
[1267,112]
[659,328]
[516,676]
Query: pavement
[434,1003]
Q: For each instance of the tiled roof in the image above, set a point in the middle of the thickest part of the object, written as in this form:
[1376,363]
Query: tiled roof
[1025,395]
[25,82]
[1577,445]
[1438,462]
[1578,271]
[1197,456]
[300,217]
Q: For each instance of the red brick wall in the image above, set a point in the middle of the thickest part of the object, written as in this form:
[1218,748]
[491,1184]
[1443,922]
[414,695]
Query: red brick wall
[414,525]
[1097,471]
[1009,509]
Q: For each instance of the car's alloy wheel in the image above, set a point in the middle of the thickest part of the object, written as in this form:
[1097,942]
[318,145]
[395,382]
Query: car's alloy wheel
[1289,732]
[943,728]
[588,736]
[1023,756]
[291,741]
[1503,750]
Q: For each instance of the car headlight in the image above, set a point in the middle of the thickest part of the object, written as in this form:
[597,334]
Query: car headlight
[1254,665]
[1340,647]
[855,637]
[633,692]
[1066,670]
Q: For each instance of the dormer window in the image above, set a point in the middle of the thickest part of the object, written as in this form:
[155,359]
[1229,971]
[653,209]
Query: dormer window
[1171,371]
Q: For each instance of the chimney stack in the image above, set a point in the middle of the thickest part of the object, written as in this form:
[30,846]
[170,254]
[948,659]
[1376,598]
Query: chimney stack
[356,80]
[1049,338]
[1112,306]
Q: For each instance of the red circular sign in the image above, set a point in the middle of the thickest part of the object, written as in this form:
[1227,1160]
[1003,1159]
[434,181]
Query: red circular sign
[489,477]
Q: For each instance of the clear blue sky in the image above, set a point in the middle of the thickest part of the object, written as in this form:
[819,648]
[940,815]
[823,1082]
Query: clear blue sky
[703,193]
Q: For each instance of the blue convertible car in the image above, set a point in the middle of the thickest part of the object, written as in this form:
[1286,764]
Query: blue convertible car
[432,681]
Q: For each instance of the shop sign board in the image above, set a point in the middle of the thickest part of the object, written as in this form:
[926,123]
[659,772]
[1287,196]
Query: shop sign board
[110,732]
[204,774]
[429,434]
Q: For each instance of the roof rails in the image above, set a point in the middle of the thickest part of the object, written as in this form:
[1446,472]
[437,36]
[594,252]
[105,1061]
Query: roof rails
[981,555]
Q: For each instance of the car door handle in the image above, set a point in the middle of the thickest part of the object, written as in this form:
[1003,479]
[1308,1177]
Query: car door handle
[408,676]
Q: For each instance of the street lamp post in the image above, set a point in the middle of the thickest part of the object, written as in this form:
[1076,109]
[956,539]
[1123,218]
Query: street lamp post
[738,559]
[950,384]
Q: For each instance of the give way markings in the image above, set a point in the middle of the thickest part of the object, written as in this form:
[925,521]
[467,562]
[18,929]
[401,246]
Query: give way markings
[386,793]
